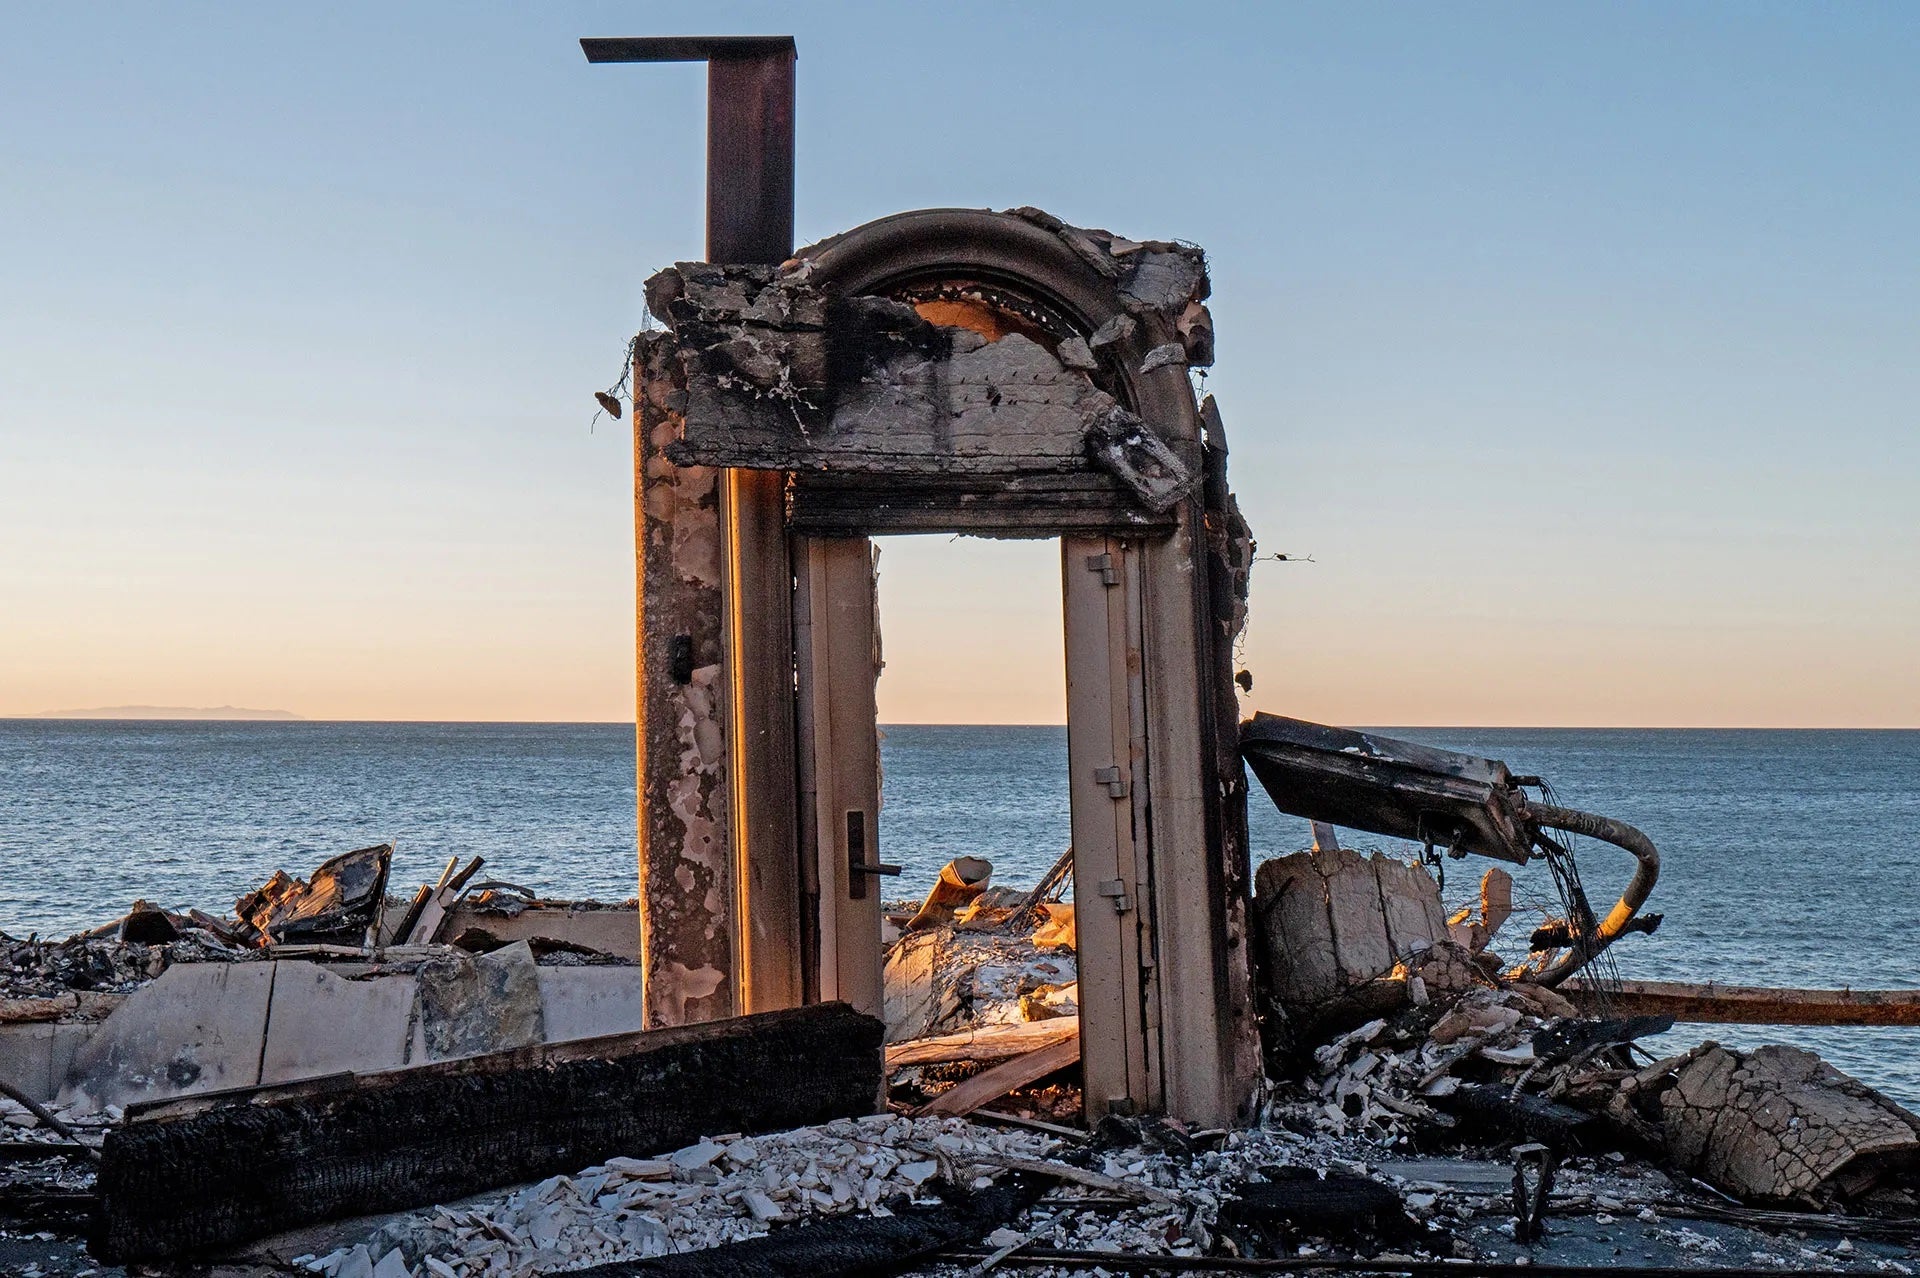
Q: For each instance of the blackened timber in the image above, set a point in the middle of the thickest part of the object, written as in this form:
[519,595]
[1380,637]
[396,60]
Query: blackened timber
[830,504]
[274,1160]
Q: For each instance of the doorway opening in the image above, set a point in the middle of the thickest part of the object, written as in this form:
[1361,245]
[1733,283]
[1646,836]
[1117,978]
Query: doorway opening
[972,702]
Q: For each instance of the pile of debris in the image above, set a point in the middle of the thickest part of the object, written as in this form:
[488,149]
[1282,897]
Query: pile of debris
[1548,1121]
[725,1189]
[982,989]
[56,972]
[1469,1052]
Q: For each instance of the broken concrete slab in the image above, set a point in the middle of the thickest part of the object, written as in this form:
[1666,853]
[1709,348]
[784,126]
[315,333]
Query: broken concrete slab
[588,1002]
[607,929]
[471,1006]
[321,1023]
[218,1026]
[199,1027]
[1780,1126]
[36,1056]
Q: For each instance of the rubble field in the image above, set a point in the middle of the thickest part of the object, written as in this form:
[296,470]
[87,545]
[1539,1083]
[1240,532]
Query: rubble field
[1476,1120]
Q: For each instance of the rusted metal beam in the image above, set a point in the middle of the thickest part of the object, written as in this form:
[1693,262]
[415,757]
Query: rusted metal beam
[750,158]
[1749,1004]
[683,48]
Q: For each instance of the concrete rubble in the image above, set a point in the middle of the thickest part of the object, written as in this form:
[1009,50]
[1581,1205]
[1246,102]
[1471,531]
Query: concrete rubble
[723,1189]
[1385,1106]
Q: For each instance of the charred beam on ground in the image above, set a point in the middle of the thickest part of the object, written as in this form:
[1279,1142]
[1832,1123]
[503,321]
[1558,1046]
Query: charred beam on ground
[268,1159]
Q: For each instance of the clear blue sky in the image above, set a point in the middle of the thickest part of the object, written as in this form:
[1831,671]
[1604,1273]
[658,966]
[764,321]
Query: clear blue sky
[1580,345]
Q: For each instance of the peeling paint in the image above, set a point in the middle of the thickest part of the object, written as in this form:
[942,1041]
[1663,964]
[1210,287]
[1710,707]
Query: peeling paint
[685,864]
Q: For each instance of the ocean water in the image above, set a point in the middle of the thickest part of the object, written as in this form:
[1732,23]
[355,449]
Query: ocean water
[1789,857]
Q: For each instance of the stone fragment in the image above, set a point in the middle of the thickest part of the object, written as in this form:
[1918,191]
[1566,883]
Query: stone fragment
[1076,354]
[1171,354]
[1116,329]
[393,1265]
[696,1156]
[1780,1126]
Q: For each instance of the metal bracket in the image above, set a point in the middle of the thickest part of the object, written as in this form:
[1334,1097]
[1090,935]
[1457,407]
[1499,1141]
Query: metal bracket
[1103,564]
[1112,778]
[1116,891]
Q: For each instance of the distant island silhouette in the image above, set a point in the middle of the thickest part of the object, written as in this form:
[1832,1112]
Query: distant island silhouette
[167,712]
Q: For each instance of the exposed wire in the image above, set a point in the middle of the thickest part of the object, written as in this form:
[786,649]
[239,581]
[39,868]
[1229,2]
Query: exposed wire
[616,394]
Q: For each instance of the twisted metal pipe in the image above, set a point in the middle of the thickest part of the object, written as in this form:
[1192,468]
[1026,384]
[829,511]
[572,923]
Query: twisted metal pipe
[1645,874]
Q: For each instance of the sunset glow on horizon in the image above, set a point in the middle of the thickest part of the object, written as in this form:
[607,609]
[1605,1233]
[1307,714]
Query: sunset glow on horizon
[1575,347]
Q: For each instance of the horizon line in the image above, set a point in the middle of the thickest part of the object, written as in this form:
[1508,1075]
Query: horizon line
[289,717]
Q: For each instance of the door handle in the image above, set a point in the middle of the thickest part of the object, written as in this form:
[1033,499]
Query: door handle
[858,867]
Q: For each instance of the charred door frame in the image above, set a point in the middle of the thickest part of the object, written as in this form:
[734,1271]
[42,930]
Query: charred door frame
[790,612]
[1166,1009]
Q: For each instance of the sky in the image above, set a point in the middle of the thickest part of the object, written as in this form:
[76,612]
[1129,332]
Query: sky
[1578,345]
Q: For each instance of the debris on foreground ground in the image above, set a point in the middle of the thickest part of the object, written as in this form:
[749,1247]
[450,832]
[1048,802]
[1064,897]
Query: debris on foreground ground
[211,1172]
[1400,1136]
[720,1190]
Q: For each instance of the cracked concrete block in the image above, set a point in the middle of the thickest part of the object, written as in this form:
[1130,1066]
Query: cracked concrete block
[1334,921]
[587,1002]
[198,1027]
[469,1006]
[35,1056]
[321,1023]
[1780,1126]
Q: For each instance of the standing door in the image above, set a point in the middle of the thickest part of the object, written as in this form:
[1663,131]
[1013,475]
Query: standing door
[837,646]
[1106,760]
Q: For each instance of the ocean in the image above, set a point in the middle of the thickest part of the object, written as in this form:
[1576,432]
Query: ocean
[1789,857]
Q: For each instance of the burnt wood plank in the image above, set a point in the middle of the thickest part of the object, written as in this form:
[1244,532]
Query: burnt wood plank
[1049,505]
[270,1161]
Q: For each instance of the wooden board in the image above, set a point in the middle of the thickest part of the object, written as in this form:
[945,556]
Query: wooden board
[988,1043]
[1750,1004]
[1104,786]
[758,581]
[838,631]
[273,1159]
[964,1098]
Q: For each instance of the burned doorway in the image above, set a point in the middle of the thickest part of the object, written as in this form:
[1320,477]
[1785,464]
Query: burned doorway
[1103,695]
[949,372]
[973,708]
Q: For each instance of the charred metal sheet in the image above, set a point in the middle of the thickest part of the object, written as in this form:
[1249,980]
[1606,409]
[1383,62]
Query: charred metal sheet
[1456,801]
[1395,788]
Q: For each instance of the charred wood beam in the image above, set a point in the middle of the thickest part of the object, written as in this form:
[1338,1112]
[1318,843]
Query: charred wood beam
[271,1159]
[1526,1116]
[829,504]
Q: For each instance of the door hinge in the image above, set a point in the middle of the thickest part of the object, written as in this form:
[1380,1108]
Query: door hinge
[1103,564]
[1112,778]
[1116,891]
